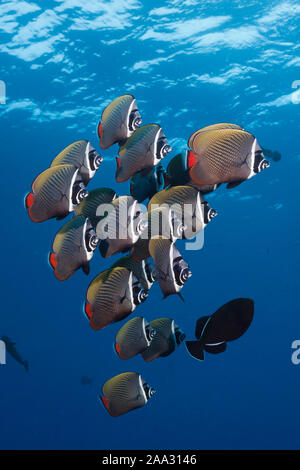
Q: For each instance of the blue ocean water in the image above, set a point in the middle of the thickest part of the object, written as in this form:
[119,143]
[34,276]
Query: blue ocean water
[189,64]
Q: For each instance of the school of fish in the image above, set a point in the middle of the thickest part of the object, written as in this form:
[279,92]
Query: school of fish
[218,154]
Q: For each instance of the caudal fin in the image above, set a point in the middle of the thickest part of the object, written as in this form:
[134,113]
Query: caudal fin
[26,365]
[195,349]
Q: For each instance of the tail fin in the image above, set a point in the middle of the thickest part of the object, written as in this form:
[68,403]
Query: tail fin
[26,365]
[195,349]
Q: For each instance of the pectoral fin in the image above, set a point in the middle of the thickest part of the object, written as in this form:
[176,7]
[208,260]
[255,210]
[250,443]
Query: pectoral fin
[215,348]
[86,268]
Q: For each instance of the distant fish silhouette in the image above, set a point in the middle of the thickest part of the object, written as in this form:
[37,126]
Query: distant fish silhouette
[12,350]
[273,154]
[146,186]
[86,380]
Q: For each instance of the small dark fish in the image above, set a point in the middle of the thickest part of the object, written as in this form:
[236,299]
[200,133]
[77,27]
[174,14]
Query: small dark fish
[273,154]
[134,337]
[228,323]
[112,296]
[14,353]
[145,186]
[125,392]
[226,155]
[172,271]
[119,120]
[167,338]
[86,380]
[73,248]
[83,155]
[142,151]
[55,193]
[177,172]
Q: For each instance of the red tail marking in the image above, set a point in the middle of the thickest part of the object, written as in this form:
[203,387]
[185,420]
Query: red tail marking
[29,200]
[166,181]
[191,159]
[118,160]
[105,402]
[118,348]
[88,310]
[100,130]
[53,260]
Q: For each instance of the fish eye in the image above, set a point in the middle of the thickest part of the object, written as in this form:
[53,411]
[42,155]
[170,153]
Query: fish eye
[135,120]
[180,230]
[139,295]
[181,274]
[78,193]
[263,165]
[91,240]
[162,148]
[209,214]
[95,160]
[81,195]
[149,391]
[150,332]
[94,240]
[258,161]
[141,226]
[165,150]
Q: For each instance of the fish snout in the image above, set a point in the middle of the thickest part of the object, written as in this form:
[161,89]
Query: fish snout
[94,241]
[212,214]
[143,295]
[265,164]
[137,122]
[166,149]
[186,274]
[141,226]
[139,295]
[82,194]
[98,161]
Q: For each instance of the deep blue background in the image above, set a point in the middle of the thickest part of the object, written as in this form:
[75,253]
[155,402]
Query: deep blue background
[188,65]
